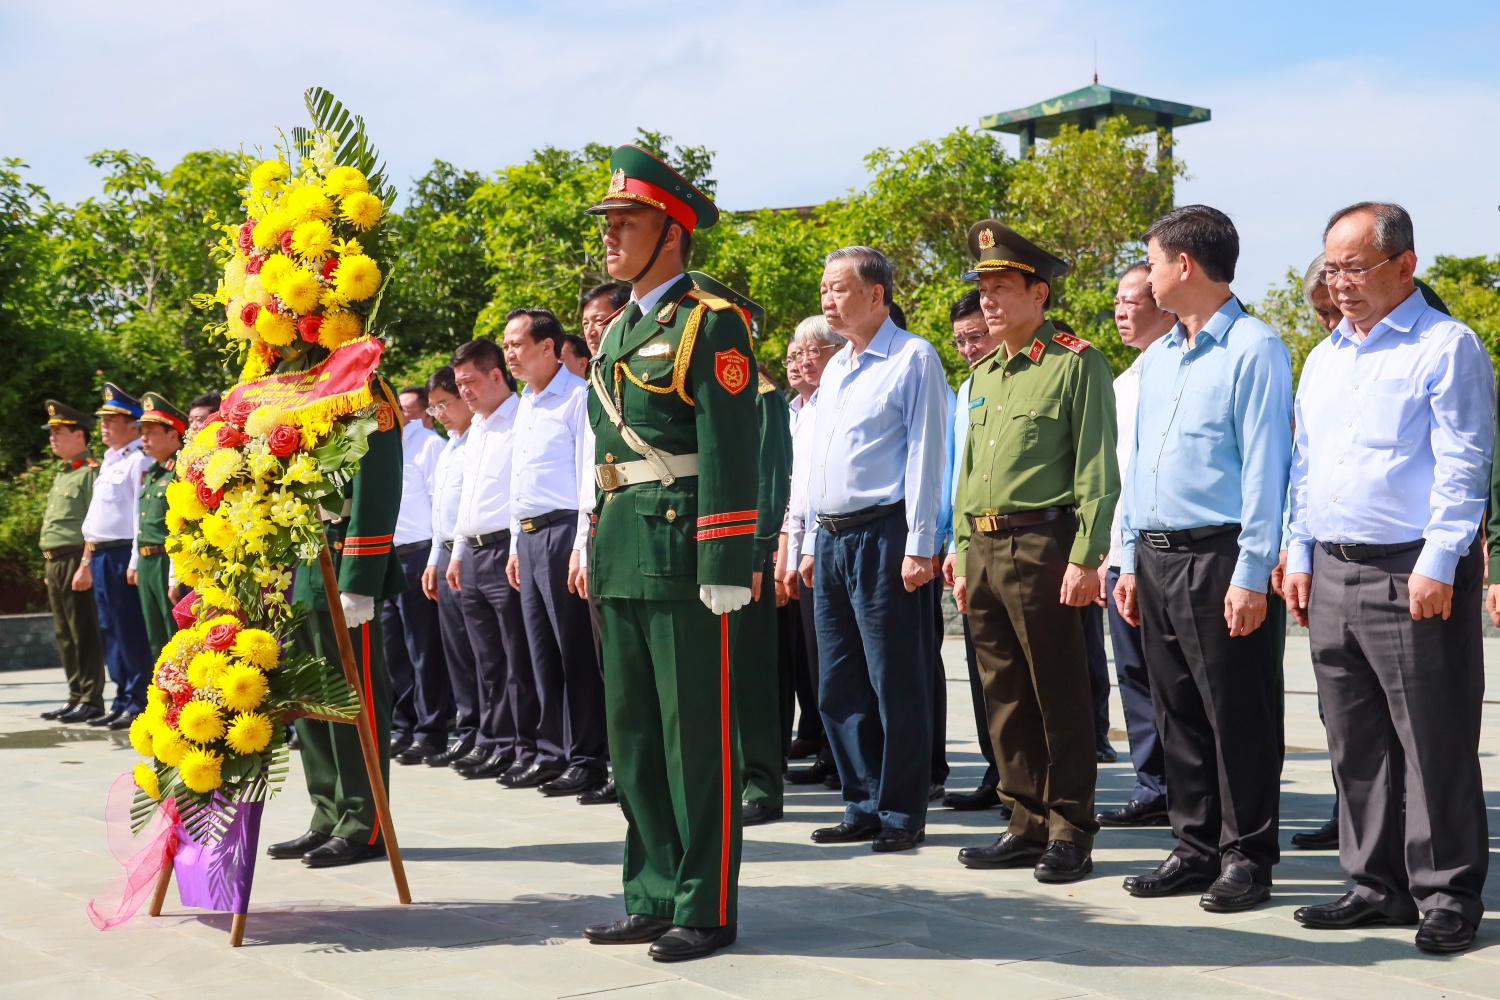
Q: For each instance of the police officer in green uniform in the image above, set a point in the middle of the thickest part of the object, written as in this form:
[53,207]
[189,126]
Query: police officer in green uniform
[757,688]
[162,427]
[75,620]
[672,406]
[1037,490]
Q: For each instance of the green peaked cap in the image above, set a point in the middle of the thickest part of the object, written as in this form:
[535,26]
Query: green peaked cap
[639,179]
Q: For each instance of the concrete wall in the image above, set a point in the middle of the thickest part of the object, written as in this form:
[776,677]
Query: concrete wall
[26,642]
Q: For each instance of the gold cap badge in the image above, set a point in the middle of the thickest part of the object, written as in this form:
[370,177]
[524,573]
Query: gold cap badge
[986,239]
[617,182]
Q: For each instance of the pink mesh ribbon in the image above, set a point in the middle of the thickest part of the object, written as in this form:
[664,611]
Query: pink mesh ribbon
[182,611]
[142,856]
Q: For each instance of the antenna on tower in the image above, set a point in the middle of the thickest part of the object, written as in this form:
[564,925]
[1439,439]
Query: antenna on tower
[1096,60]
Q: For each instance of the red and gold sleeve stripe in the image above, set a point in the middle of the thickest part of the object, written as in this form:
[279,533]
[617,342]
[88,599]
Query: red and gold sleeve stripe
[367,545]
[711,526]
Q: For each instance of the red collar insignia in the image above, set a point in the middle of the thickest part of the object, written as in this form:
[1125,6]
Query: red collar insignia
[1035,354]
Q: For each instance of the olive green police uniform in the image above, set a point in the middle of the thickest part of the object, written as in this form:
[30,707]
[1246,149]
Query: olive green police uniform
[75,620]
[1037,490]
[682,378]
[153,568]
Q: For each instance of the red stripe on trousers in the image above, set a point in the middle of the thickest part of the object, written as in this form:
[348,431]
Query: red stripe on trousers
[724,754]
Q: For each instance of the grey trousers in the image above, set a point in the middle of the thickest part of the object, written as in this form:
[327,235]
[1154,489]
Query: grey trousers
[1402,700]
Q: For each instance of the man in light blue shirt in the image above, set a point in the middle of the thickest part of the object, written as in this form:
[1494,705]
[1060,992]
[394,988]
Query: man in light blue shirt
[1201,534]
[1395,430]
[874,492]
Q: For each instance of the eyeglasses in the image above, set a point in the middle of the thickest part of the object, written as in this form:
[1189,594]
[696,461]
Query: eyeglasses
[969,341]
[808,354]
[437,410]
[1353,275]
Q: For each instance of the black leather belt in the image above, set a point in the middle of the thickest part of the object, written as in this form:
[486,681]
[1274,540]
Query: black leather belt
[1179,539]
[1360,552]
[65,552]
[837,523]
[118,543]
[448,545]
[410,547]
[477,542]
[990,523]
[531,525]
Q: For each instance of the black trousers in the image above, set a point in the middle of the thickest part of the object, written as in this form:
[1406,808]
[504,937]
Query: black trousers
[458,653]
[508,710]
[421,694]
[934,590]
[981,713]
[1218,706]
[788,665]
[811,723]
[1135,698]
[1098,661]
[1403,701]
[565,669]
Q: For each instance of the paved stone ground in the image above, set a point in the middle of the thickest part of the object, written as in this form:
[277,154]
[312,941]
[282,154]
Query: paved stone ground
[505,879]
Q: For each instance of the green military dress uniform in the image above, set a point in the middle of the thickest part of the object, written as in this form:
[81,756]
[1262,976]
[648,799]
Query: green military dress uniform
[1037,490]
[365,563]
[153,567]
[75,620]
[683,378]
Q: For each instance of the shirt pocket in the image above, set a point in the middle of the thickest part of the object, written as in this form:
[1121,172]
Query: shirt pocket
[666,533]
[1034,424]
[1388,414]
[1206,410]
[643,381]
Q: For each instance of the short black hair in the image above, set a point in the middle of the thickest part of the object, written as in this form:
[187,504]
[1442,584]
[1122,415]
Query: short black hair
[618,295]
[1205,234]
[1139,265]
[443,379]
[485,355]
[544,326]
[1393,229]
[898,315]
[212,400]
[420,390]
[1063,326]
[967,305]
[578,344]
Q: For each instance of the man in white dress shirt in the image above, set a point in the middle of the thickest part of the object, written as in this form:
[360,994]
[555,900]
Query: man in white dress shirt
[421,697]
[551,484]
[508,712]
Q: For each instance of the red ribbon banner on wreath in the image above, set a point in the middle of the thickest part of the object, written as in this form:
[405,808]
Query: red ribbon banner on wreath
[338,386]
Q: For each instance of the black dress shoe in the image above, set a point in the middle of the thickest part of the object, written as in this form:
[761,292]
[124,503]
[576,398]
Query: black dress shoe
[1134,813]
[81,713]
[604,795]
[1063,862]
[1234,890]
[417,753]
[106,718]
[124,721]
[1171,877]
[846,833]
[475,757]
[1009,851]
[399,745]
[1106,754]
[339,851]
[576,780]
[453,754]
[810,775]
[1444,932]
[756,813]
[833,781]
[288,849]
[892,839]
[983,797]
[802,749]
[638,928]
[536,773]
[935,791]
[1324,838]
[682,943]
[1349,910]
[496,764]
[59,711]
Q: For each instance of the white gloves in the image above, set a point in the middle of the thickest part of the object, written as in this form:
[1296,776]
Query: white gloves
[721,599]
[358,609]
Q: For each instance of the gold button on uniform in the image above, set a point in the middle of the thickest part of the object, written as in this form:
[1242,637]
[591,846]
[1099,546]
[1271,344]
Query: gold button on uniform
[1033,413]
[671,515]
[608,457]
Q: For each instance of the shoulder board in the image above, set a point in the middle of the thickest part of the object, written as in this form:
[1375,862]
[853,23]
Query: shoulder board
[987,357]
[91,462]
[1075,344]
[712,301]
[766,385]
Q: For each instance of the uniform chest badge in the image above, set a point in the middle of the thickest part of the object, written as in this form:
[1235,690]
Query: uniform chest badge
[658,349]
[732,369]
[385,417]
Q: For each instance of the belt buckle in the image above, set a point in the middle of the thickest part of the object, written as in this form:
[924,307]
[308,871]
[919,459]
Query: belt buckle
[527,525]
[1157,539]
[607,476]
[987,522]
[1344,552]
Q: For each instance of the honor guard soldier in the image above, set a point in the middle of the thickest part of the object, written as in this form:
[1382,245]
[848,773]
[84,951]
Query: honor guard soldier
[74,618]
[757,685]
[109,531]
[672,406]
[1037,491]
[162,427]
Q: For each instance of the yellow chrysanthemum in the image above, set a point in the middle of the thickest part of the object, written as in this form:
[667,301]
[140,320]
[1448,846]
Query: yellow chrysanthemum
[200,770]
[362,211]
[256,291]
[276,267]
[312,240]
[205,438]
[276,329]
[344,181]
[218,531]
[258,648]
[267,173]
[222,467]
[216,597]
[339,328]
[140,736]
[182,500]
[301,291]
[169,745]
[234,275]
[267,232]
[207,667]
[306,203]
[250,732]
[201,722]
[157,698]
[357,277]
[243,688]
[262,419]
[145,779]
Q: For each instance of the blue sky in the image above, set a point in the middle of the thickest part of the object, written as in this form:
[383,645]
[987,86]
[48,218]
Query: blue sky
[1314,104]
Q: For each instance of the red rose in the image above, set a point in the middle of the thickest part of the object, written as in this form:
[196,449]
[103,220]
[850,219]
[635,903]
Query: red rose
[309,326]
[249,312]
[241,412]
[229,437]
[254,264]
[222,636]
[172,714]
[286,243]
[247,236]
[329,267]
[181,695]
[209,498]
[283,440]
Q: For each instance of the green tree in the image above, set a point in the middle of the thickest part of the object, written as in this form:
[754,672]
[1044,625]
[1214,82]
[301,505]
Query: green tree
[1285,310]
[1470,287]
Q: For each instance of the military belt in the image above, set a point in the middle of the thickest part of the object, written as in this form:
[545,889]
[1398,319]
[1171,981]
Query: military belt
[64,552]
[117,543]
[991,523]
[613,475]
[152,550]
[837,523]
[1361,552]
[477,542]
[531,525]
[1179,539]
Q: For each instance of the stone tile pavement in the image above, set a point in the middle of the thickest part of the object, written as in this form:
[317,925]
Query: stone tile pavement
[504,880]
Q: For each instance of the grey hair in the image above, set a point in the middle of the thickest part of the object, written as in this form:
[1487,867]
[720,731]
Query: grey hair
[1139,265]
[816,328]
[872,266]
[1393,229]
[1314,278]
